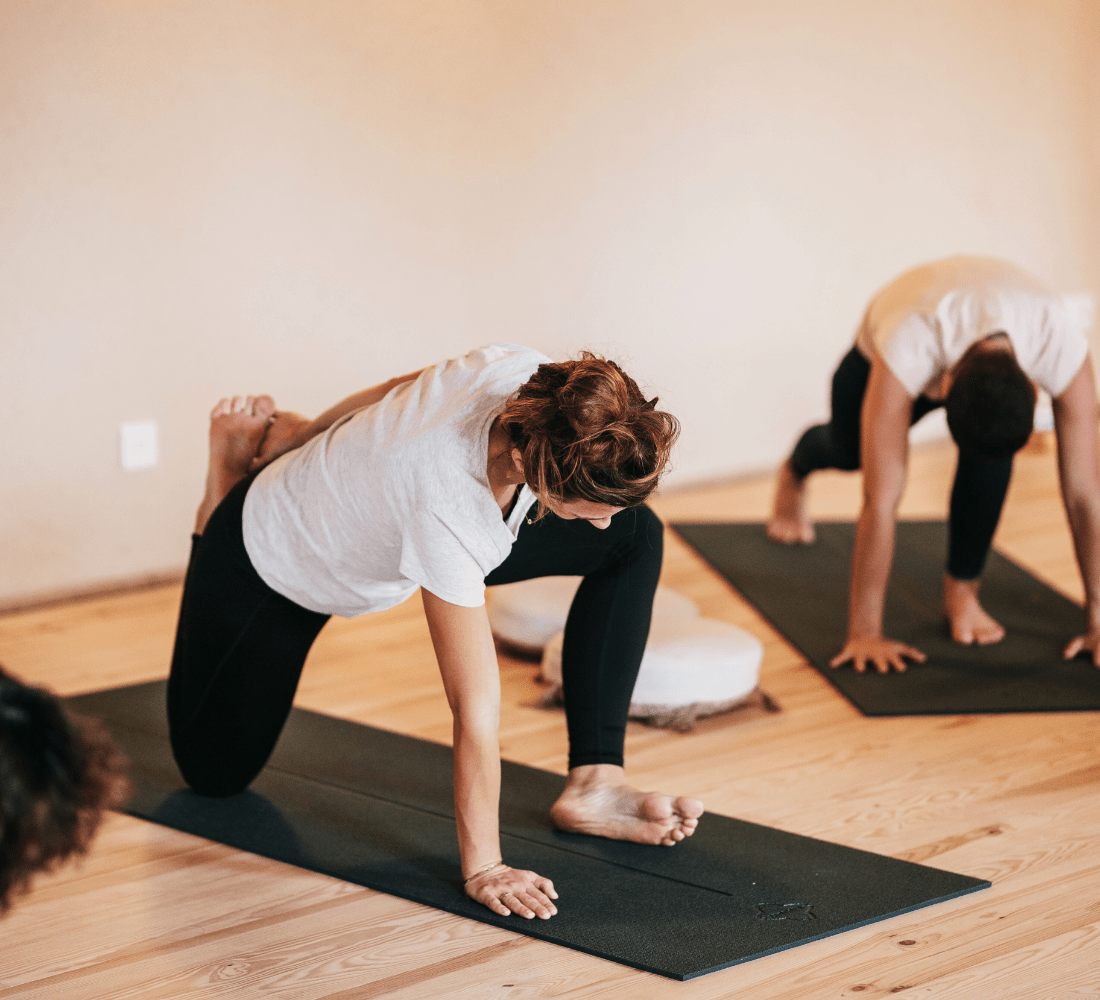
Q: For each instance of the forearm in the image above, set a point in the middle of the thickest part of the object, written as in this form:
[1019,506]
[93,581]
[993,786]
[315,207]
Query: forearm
[467,663]
[288,430]
[477,795]
[1075,420]
[1083,513]
[871,561]
[365,397]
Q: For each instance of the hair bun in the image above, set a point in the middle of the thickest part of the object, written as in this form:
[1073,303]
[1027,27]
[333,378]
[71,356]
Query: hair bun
[587,432]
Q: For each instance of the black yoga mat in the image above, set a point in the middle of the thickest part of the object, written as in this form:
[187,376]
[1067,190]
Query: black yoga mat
[374,808]
[803,591]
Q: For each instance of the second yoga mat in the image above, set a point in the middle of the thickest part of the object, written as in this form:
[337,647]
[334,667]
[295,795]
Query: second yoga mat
[374,808]
[803,591]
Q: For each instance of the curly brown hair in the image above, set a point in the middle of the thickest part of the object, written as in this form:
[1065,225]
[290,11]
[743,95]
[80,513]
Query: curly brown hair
[58,772]
[586,432]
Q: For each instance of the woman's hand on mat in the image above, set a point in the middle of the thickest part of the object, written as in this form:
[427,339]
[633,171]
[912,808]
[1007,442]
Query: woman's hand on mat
[1085,644]
[512,890]
[285,431]
[877,651]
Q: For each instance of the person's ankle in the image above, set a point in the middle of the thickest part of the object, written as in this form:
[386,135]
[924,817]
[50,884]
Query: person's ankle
[595,775]
[956,585]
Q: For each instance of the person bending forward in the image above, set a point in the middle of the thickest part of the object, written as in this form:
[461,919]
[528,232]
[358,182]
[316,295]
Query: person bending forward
[972,334]
[489,468]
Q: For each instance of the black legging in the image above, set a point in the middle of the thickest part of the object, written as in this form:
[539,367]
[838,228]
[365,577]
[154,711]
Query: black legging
[240,646]
[977,495]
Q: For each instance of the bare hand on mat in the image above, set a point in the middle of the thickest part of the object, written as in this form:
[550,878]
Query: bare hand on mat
[1085,644]
[879,652]
[512,890]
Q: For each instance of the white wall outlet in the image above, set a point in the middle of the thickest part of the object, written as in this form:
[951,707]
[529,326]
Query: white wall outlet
[138,446]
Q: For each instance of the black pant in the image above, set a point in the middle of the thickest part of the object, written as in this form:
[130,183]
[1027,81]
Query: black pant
[977,495]
[240,646]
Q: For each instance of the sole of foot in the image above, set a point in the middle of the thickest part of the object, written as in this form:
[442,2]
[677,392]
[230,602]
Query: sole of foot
[620,812]
[237,428]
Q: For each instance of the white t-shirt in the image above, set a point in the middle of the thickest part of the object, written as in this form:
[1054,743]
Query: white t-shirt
[922,323]
[393,496]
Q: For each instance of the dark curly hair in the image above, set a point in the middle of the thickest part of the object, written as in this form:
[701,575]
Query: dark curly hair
[586,432]
[991,404]
[58,772]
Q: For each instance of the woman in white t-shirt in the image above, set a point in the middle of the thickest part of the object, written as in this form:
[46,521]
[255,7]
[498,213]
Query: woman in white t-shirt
[489,468]
[972,334]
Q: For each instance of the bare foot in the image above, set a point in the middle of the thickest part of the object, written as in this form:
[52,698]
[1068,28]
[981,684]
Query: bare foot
[237,428]
[598,801]
[966,617]
[789,522]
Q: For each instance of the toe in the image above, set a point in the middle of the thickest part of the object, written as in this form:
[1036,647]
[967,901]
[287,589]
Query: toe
[220,409]
[264,406]
[656,807]
[689,809]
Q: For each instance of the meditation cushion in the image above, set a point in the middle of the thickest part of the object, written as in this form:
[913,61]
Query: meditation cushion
[692,668]
[525,615]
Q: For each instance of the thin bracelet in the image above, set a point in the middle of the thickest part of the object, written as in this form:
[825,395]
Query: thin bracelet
[485,868]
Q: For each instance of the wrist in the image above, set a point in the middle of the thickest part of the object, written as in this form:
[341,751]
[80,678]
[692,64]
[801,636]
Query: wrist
[306,430]
[486,869]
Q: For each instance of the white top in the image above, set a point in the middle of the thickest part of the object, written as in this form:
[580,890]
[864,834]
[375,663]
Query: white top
[393,496]
[922,323]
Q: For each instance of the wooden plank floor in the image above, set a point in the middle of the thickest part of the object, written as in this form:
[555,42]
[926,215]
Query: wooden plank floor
[1015,799]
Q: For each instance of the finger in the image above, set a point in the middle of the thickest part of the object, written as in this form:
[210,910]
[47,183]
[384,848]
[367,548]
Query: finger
[915,654]
[547,887]
[538,904]
[518,905]
[898,663]
[883,663]
[1075,647]
[494,902]
[842,657]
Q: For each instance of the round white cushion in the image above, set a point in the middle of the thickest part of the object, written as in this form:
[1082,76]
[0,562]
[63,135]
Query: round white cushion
[528,613]
[687,661]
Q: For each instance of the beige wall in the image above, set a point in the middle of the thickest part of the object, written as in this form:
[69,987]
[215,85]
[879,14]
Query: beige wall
[307,196]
